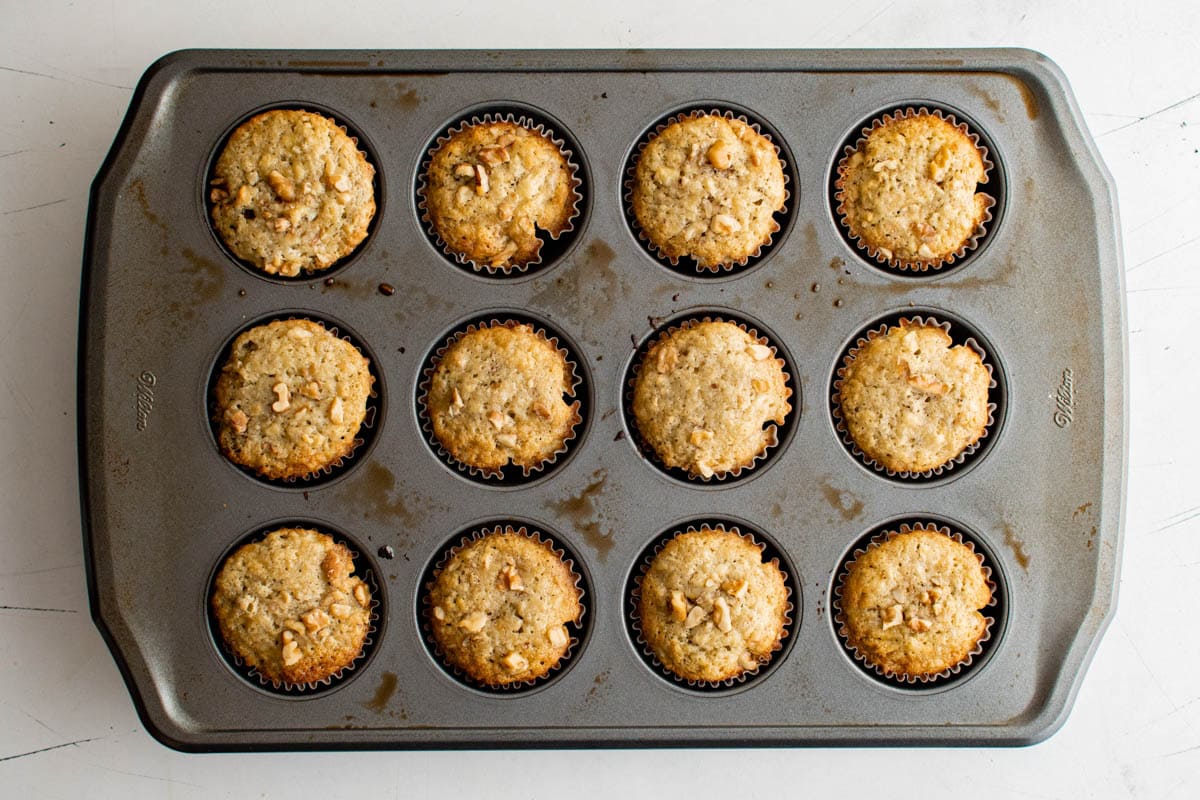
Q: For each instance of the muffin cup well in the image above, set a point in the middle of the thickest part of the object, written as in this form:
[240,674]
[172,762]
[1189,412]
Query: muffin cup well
[367,431]
[835,400]
[883,257]
[905,679]
[577,628]
[510,472]
[686,264]
[775,432]
[362,568]
[634,594]
[530,120]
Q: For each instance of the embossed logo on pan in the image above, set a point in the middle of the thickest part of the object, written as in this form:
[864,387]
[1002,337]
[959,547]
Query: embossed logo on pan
[145,398]
[1064,400]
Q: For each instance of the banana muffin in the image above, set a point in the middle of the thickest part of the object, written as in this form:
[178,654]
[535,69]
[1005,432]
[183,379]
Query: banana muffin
[292,192]
[492,188]
[908,191]
[291,608]
[499,395]
[910,401]
[710,608]
[705,396]
[910,603]
[499,608]
[707,187]
[290,399]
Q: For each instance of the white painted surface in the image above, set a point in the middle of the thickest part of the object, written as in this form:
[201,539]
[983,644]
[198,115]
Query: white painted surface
[67,725]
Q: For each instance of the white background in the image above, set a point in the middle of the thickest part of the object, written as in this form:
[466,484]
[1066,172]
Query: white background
[67,725]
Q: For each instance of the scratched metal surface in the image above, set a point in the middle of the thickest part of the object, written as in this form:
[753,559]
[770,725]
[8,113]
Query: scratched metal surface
[161,298]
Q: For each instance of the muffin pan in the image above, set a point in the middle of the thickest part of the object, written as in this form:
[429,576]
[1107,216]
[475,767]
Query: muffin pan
[1043,500]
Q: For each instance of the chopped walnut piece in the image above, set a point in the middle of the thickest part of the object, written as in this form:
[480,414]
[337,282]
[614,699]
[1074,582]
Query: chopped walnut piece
[700,436]
[889,163]
[927,383]
[918,625]
[248,603]
[540,409]
[361,594]
[718,155]
[694,617]
[311,390]
[736,588]
[497,418]
[439,613]
[340,610]
[295,625]
[558,636]
[515,662]
[895,615]
[243,195]
[283,403]
[281,186]
[315,620]
[288,636]
[506,140]
[678,606]
[759,352]
[493,155]
[721,615]
[337,411]
[342,184]
[512,579]
[281,224]
[473,622]
[481,180]
[464,171]
[667,358]
[759,385]
[705,469]
[724,224]
[238,419]
[299,333]
[506,439]
[463,196]
[290,653]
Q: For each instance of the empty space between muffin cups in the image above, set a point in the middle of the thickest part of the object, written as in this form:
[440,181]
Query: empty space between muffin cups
[907,209]
[294,399]
[240,603]
[723,603]
[504,608]
[700,164]
[911,618]
[861,407]
[712,445]
[501,192]
[502,399]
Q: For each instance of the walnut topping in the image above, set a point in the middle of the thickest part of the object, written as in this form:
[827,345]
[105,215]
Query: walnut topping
[759,352]
[705,470]
[281,186]
[481,179]
[342,183]
[248,603]
[340,610]
[464,171]
[924,381]
[512,579]
[678,606]
[362,595]
[700,436]
[290,653]
[456,399]
[667,358]
[889,163]
[558,636]
[238,419]
[939,164]
[315,620]
[930,596]
[718,155]
[243,195]
[721,615]
[883,251]
[493,155]
[497,418]
[515,662]
[694,617]
[506,140]
[506,439]
[759,385]
[299,333]
[473,622]
[724,224]
[540,409]
[337,410]
[281,224]
[736,588]
[463,196]
[295,625]
[925,251]
[288,636]
[311,390]
[895,615]
[283,403]
[918,625]
[439,613]
[504,255]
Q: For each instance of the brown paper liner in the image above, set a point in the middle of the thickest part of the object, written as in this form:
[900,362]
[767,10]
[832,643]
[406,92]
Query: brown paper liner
[839,617]
[840,423]
[575,627]
[497,474]
[362,569]
[306,274]
[332,469]
[889,260]
[633,618]
[525,121]
[676,261]
[773,431]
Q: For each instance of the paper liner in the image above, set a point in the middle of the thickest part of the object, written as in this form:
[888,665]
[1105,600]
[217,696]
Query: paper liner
[773,430]
[307,273]
[525,120]
[575,627]
[874,253]
[500,473]
[904,678]
[362,569]
[633,618]
[334,468]
[840,423]
[685,261]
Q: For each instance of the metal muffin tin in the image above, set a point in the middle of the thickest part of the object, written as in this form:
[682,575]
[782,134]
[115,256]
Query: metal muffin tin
[161,297]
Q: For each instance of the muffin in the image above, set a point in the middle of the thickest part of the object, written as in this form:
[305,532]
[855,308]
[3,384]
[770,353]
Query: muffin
[291,608]
[707,187]
[290,399]
[910,603]
[709,608]
[292,192]
[499,608]
[908,190]
[910,401]
[492,187]
[704,396]
[498,395]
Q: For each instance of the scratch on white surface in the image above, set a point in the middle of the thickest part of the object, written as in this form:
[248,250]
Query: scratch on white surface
[1191,749]
[59,78]
[876,16]
[32,608]
[28,72]
[1151,115]
[15,153]
[1178,519]
[39,205]
[1168,251]
[26,572]
[52,747]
